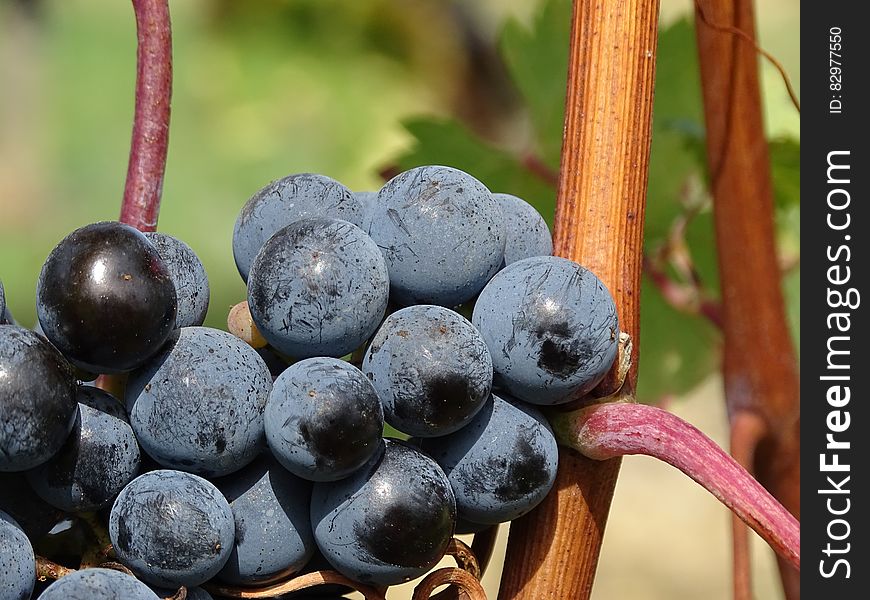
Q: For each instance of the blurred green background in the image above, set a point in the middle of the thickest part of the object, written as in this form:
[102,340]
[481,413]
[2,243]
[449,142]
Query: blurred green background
[354,90]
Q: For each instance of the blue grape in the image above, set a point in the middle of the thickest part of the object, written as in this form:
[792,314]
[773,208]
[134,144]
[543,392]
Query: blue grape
[501,465]
[193,593]
[441,232]
[99,458]
[274,361]
[17,561]
[283,202]
[318,287]
[551,328]
[323,419]
[187,274]
[105,298]
[172,528]
[37,399]
[98,584]
[527,232]
[198,405]
[17,499]
[271,508]
[368,201]
[466,527]
[431,369]
[390,521]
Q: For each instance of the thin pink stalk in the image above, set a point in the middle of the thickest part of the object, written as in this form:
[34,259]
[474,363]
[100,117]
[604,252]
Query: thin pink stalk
[606,431]
[148,147]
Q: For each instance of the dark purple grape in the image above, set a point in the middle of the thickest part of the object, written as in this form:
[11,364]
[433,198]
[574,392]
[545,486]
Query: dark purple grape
[172,528]
[99,458]
[20,502]
[323,419]
[286,201]
[17,562]
[37,399]
[551,329]
[527,232]
[431,369]
[198,405]
[367,200]
[318,287]
[98,584]
[193,593]
[441,233]
[271,508]
[105,298]
[188,277]
[501,465]
[390,521]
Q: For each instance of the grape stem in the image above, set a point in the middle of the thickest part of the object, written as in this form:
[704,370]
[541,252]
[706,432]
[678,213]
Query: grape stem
[605,431]
[48,569]
[150,140]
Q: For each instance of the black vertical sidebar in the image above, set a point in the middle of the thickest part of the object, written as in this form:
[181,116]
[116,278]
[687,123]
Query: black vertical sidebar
[835,419]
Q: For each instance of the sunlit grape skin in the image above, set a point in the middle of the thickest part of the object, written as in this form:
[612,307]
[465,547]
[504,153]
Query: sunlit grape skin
[105,298]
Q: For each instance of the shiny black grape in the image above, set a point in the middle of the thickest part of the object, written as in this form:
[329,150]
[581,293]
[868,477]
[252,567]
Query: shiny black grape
[105,298]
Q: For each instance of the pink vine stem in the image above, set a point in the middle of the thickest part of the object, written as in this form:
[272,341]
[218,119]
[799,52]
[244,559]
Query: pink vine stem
[150,141]
[610,430]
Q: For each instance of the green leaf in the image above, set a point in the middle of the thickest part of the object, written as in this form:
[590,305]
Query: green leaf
[538,62]
[677,150]
[785,167]
[444,142]
[678,350]
[791,287]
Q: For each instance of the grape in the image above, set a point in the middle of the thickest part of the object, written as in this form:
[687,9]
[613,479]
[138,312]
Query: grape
[274,361]
[17,561]
[283,202]
[198,405]
[188,276]
[551,328]
[193,593]
[78,374]
[98,584]
[390,521]
[37,399]
[501,465]
[271,508]
[431,369]
[172,528]
[368,201]
[35,516]
[99,458]
[318,287]
[323,419]
[465,527]
[527,232]
[441,232]
[105,298]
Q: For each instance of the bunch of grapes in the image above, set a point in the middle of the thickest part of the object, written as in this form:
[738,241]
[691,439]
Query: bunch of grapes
[234,462]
